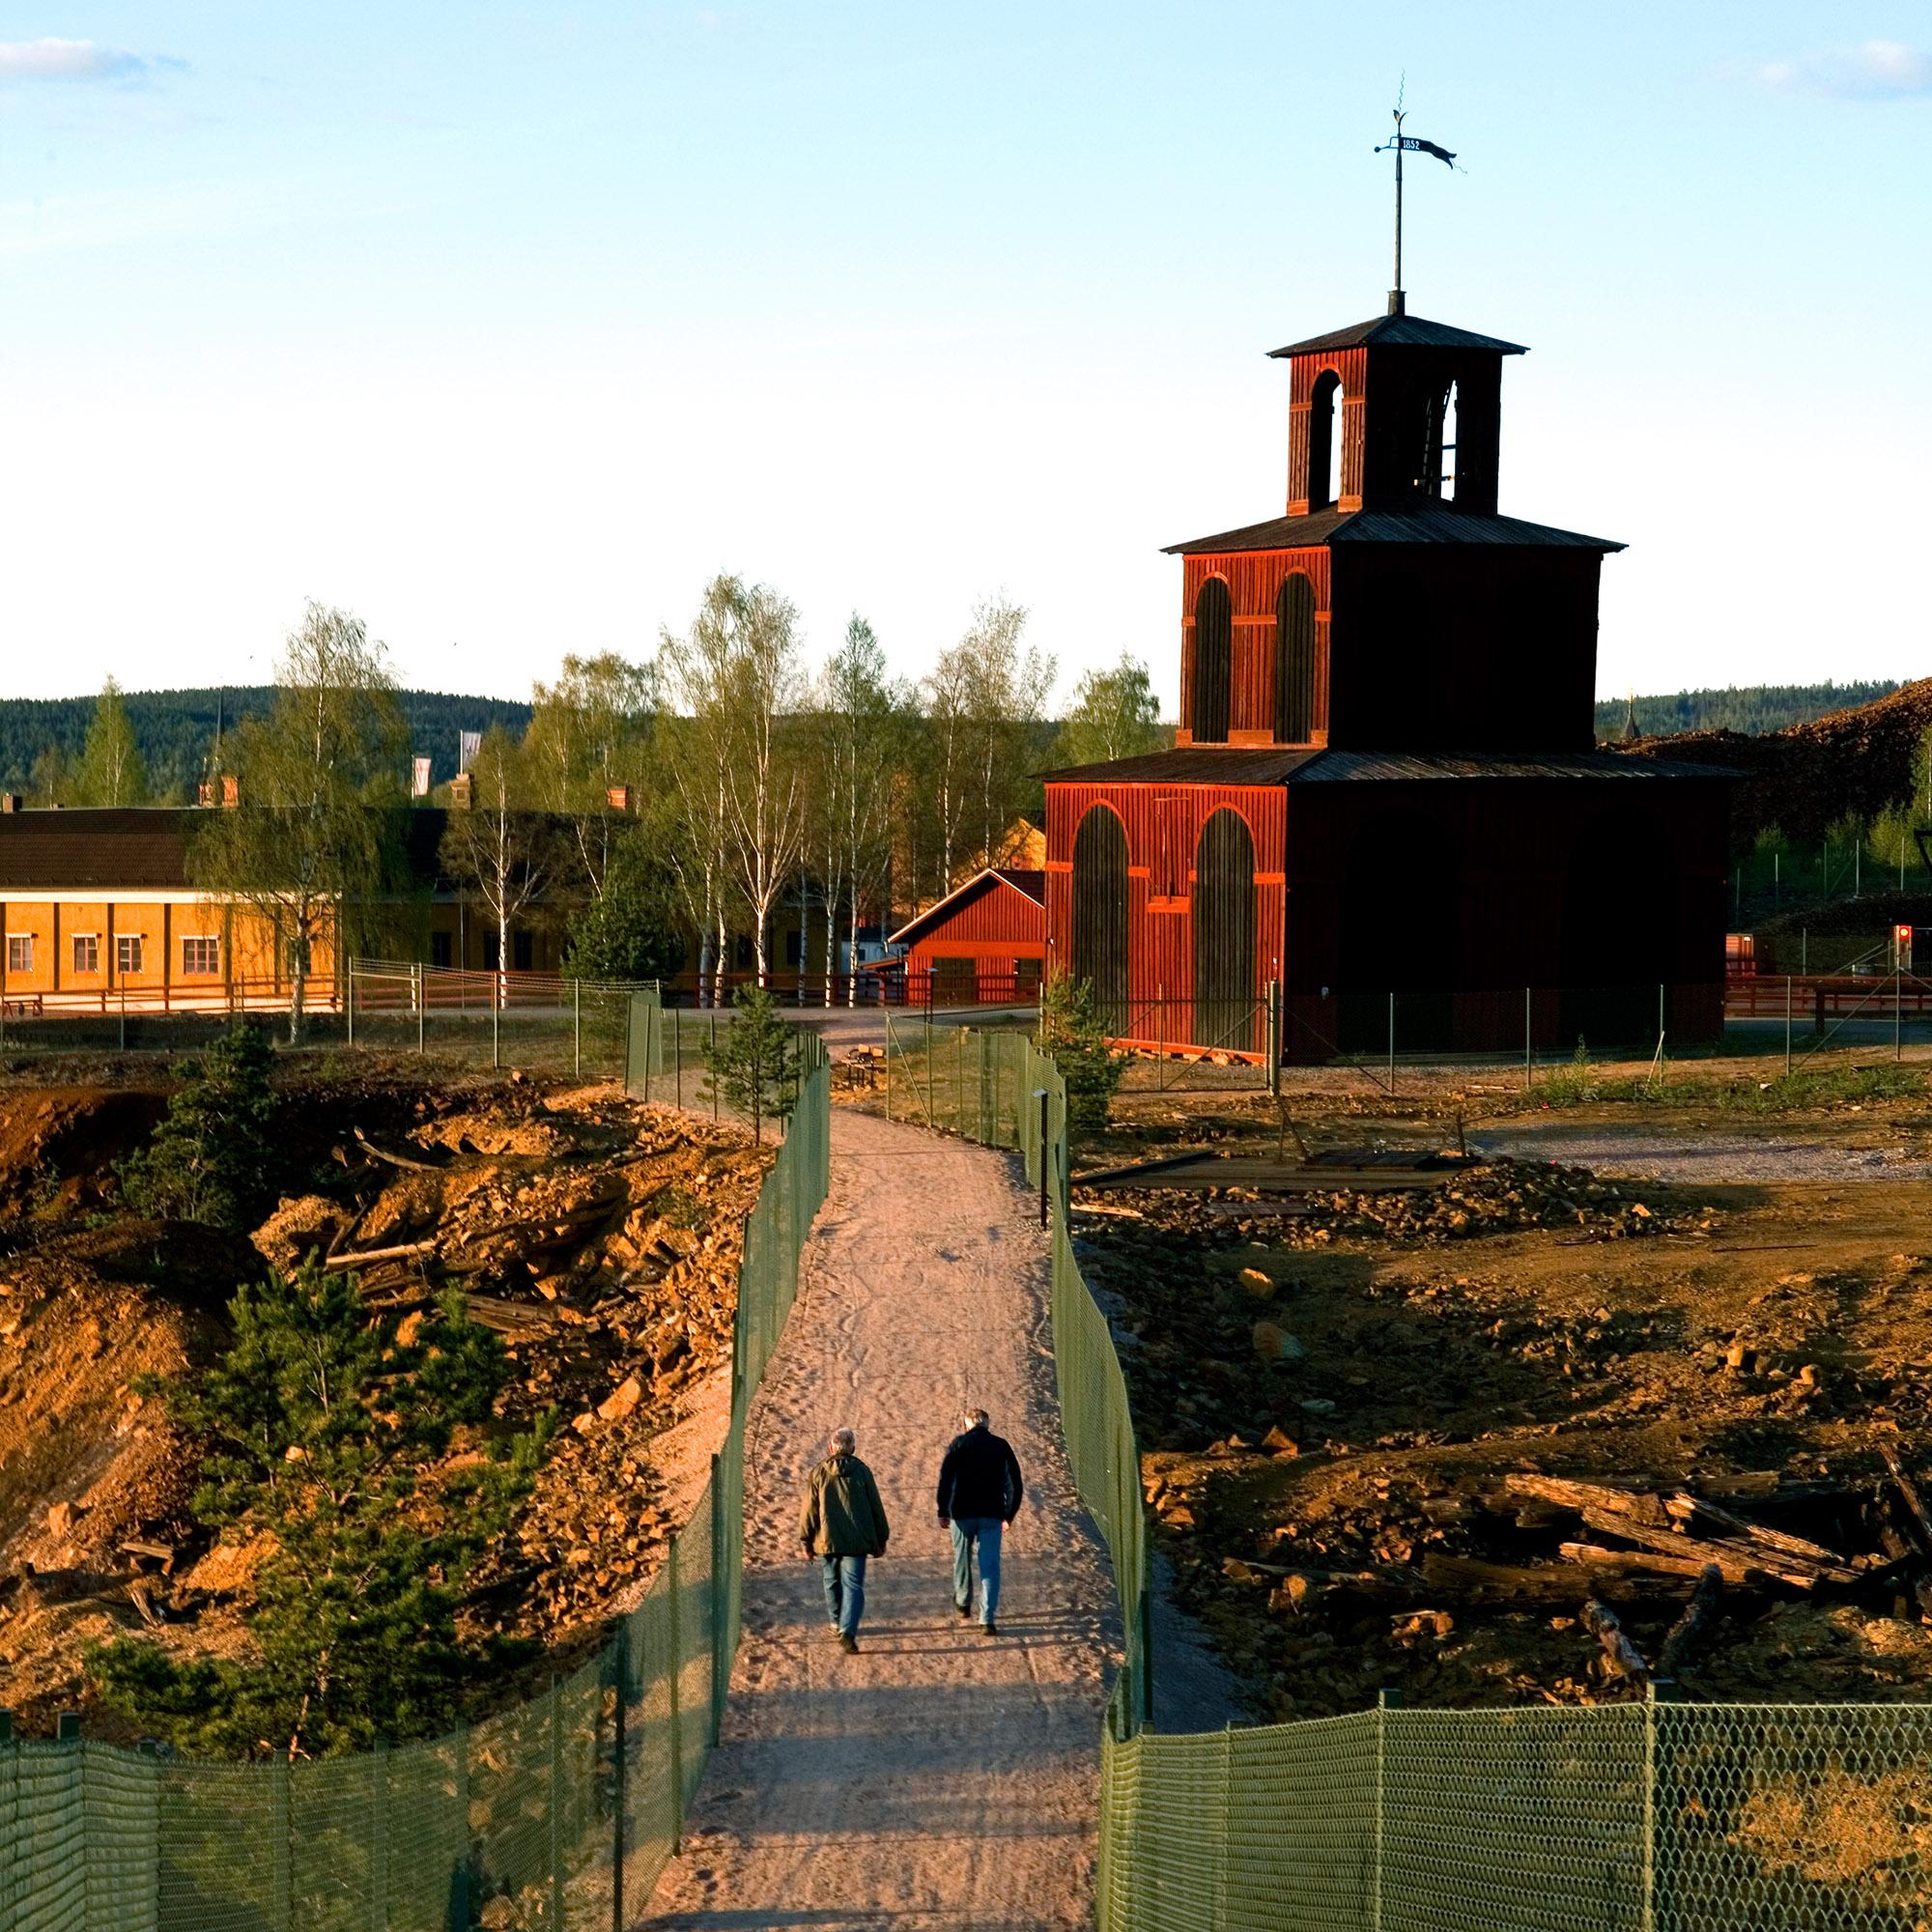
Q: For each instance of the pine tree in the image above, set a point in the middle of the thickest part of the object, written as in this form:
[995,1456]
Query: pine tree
[1073,1035]
[756,1062]
[212,1157]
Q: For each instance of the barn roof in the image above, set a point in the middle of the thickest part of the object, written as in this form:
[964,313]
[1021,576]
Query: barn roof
[1028,884]
[1433,526]
[140,848]
[1400,331]
[1240,765]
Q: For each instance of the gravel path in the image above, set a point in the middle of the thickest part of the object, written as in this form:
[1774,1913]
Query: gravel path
[939,1781]
[1693,1154]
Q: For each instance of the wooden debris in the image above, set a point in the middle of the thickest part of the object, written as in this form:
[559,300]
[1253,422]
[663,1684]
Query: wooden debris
[1626,1660]
[162,1553]
[1691,1626]
[403,1160]
[368,1257]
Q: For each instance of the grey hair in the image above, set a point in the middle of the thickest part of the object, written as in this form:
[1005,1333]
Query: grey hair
[844,1443]
[976,1418]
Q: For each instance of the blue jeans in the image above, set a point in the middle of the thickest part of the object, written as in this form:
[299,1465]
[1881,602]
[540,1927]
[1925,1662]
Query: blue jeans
[844,1580]
[983,1531]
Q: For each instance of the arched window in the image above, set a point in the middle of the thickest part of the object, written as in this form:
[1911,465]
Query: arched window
[1295,661]
[1325,442]
[1225,1010]
[1099,950]
[1213,644]
[1438,443]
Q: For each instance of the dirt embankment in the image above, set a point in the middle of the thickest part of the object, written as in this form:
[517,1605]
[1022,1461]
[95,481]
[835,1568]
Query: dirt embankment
[600,1239]
[1352,1417]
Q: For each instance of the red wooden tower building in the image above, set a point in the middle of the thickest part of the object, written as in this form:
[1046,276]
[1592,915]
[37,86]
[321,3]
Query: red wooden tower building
[1385,792]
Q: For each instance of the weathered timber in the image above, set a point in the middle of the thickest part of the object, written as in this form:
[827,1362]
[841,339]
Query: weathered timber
[1691,1626]
[1626,1660]
[368,1257]
[402,1160]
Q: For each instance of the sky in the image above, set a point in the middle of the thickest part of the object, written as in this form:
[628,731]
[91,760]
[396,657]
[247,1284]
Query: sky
[507,327]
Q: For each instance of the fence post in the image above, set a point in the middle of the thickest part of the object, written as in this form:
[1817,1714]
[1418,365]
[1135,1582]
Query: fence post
[281,1877]
[461,1901]
[713,1063]
[1386,1702]
[677,1055]
[379,1838]
[422,998]
[1787,1026]
[621,1647]
[1658,1691]
[1391,1042]
[676,1723]
[1898,1011]
[720,1662]
[496,1007]
[1043,1155]
[1274,1004]
[349,1002]
[557,1873]
[1528,1054]
[577,1029]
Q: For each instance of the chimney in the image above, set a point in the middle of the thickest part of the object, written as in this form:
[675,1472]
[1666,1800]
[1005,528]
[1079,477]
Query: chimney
[9,800]
[231,792]
[462,792]
[203,794]
[619,798]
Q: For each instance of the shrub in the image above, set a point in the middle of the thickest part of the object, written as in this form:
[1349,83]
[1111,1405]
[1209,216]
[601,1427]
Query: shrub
[325,1430]
[212,1157]
[754,1062]
[1071,1034]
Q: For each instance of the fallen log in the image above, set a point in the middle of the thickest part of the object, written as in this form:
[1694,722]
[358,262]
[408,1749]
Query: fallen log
[403,1251]
[1595,1557]
[1472,1580]
[1689,1627]
[402,1160]
[1907,1493]
[1626,1660]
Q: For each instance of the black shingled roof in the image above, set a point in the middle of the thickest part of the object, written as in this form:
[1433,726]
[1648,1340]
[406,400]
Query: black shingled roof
[1400,331]
[1228,764]
[1431,525]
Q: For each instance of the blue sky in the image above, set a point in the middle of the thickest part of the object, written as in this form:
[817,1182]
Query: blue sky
[506,326]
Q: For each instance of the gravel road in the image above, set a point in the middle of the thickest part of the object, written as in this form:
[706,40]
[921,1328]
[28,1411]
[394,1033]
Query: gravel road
[939,1778]
[1651,1153]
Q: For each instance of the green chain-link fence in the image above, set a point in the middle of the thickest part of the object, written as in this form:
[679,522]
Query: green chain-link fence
[558,1814]
[1641,1817]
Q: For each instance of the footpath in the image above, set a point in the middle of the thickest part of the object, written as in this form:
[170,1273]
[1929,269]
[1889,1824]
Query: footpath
[940,1781]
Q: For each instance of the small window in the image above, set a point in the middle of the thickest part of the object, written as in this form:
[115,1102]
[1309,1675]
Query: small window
[127,953]
[1325,442]
[201,953]
[87,952]
[794,947]
[522,951]
[20,952]
[439,949]
[1026,978]
[493,952]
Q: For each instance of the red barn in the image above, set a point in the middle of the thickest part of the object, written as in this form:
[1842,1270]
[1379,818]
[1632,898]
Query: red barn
[1385,793]
[985,941]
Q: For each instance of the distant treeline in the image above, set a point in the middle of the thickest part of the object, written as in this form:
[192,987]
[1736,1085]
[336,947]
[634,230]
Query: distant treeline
[175,731]
[1752,708]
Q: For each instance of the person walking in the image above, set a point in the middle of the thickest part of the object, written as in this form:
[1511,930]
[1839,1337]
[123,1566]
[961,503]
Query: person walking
[842,1523]
[980,1492]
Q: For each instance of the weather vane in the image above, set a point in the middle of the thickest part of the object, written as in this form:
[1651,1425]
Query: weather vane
[1398,145]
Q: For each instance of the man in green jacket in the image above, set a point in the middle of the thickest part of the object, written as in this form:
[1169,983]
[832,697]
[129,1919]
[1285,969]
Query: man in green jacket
[842,1523]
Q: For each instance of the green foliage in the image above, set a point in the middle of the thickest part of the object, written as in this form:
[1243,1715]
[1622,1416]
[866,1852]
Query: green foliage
[1115,714]
[111,769]
[1071,1032]
[212,1157]
[41,738]
[327,1435]
[1751,708]
[754,1062]
[631,930]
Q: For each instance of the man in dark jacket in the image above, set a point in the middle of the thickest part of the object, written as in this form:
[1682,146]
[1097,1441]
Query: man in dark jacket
[980,1492]
[843,1522]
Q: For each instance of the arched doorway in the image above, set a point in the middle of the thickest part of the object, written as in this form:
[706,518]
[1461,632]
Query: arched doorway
[1295,661]
[1213,646]
[1099,951]
[1619,930]
[1325,442]
[1225,1012]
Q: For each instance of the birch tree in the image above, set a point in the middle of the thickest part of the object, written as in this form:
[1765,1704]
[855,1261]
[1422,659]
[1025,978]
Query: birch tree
[111,769]
[589,732]
[1007,684]
[496,846]
[1115,714]
[317,841]
[947,702]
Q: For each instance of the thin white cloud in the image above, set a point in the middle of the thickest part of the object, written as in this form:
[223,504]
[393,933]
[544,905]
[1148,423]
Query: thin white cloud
[1874,71]
[50,58]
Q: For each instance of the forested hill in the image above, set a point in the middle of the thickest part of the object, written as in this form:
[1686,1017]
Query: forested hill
[175,729]
[1749,708]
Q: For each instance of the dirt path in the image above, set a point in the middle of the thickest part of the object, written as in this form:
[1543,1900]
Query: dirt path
[939,1781]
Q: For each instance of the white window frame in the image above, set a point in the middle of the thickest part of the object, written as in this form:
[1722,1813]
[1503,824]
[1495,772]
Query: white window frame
[92,939]
[212,941]
[24,963]
[129,952]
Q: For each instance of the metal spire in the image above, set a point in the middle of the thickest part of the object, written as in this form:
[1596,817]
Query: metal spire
[1399,144]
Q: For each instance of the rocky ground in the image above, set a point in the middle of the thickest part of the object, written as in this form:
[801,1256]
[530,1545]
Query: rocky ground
[1481,1444]
[599,1237]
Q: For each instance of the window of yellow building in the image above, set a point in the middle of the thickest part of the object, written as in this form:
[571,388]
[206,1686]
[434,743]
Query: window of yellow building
[87,952]
[201,953]
[20,952]
[127,953]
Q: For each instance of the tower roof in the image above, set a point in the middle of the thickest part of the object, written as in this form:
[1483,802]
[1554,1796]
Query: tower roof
[1436,523]
[1400,331]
